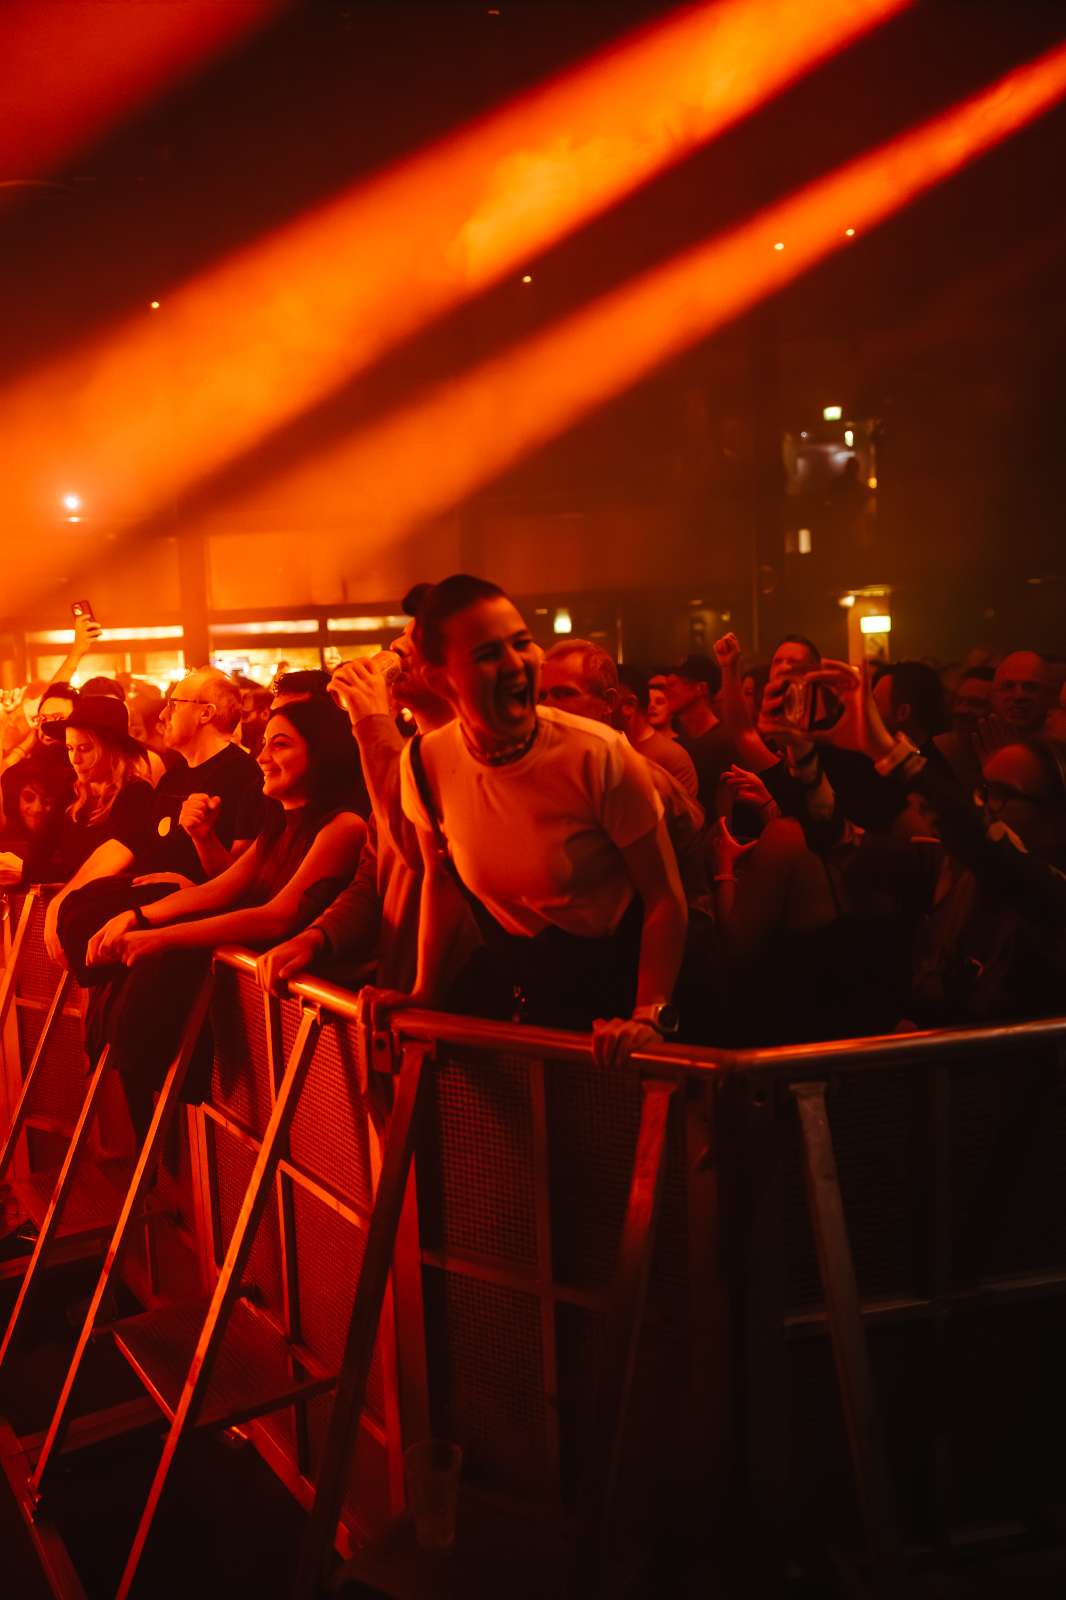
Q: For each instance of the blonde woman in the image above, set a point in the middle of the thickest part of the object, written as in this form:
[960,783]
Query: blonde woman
[112,811]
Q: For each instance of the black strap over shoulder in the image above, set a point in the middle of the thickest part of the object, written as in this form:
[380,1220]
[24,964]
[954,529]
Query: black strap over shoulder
[425,794]
[486,922]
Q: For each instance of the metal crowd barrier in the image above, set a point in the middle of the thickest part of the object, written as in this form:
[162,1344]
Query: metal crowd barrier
[815,1292]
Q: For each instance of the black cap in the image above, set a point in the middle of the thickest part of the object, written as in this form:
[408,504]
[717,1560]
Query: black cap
[699,669]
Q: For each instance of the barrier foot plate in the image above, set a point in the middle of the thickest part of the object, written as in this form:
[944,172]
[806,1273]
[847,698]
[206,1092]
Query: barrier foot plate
[252,1374]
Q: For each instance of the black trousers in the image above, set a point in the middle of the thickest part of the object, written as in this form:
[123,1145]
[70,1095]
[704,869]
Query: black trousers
[555,980]
[139,1011]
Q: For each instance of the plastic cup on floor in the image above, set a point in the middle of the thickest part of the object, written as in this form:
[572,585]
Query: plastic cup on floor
[432,1468]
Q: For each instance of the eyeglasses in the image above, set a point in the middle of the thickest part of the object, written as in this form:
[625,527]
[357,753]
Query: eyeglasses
[994,796]
[53,716]
[175,700]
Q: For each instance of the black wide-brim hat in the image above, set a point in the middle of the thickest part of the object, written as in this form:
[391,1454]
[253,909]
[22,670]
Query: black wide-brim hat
[108,718]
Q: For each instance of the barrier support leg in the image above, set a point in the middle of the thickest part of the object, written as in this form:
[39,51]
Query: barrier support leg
[7,978]
[321,1528]
[132,1205]
[228,1286]
[56,1206]
[854,1380]
[625,1315]
[26,1092]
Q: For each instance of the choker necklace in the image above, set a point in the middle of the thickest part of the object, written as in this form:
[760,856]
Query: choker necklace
[513,752]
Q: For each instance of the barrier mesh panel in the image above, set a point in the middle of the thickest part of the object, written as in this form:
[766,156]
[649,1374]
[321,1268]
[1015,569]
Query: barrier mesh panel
[487,1382]
[876,1120]
[240,1081]
[329,1253]
[234,1165]
[593,1120]
[37,972]
[1008,1119]
[329,1138]
[62,1077]
[475,1158]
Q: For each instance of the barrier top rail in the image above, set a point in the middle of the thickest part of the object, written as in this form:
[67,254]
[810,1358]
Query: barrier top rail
[669,1059]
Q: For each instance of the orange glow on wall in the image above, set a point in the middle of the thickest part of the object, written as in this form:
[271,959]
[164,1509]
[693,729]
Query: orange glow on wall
[430,454]
[140,412]
[72,68]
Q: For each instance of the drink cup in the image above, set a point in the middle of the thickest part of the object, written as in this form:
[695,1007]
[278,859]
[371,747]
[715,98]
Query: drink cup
[388,663]
[432,1468]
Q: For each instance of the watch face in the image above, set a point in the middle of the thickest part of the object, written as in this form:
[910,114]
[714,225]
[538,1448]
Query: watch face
[668,1020]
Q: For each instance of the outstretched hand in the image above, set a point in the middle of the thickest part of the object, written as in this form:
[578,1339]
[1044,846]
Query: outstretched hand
[860,725]
[725,850]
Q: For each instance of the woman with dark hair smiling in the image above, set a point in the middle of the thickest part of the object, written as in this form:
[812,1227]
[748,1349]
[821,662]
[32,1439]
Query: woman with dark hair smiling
[552,827]
[307,851]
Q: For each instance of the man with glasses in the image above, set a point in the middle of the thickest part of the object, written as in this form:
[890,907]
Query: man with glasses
[209,807]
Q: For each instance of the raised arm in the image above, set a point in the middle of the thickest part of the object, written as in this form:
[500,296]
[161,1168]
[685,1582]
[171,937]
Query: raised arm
[86,633]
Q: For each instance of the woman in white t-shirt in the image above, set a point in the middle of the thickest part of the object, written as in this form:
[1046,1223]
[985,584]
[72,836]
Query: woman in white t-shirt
[554,829]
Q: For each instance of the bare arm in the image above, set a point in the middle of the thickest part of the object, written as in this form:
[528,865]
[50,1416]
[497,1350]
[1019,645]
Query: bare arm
[652,866]
[439,925]
[86,632]
[333,856]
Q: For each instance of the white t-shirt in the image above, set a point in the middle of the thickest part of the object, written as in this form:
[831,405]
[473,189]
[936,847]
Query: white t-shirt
[539,841]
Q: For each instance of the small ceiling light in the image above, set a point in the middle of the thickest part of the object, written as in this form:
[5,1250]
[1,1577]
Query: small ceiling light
[878,624]
[780,245]
[72,502]
[832,413]
[849,233]
[153,305]
[849,437]
[73,519]
[527,277]
[803,541]
[561,622]
[871,483]
[803,433]
[847,601]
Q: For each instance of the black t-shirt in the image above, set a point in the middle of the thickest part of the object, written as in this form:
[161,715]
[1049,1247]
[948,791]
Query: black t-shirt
[712,753]
[129,821]
[235,778]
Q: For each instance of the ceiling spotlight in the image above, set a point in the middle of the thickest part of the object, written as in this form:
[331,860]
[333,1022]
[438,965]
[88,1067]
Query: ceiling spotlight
[72,501]
[153,305]
[73,519]
[780,245]
[832,413]
[849,233]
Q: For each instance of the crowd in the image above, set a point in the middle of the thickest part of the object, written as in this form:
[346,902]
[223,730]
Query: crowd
[722,852]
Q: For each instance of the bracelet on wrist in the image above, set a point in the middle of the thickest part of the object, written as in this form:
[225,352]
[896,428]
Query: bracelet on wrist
[139,917]
[902,751]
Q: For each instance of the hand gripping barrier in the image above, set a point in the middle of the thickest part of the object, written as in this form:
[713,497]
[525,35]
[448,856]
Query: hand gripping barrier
[706,1293]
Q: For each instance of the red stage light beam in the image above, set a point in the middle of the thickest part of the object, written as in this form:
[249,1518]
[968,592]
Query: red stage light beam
[72,68]
[429,455]
[140,412]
